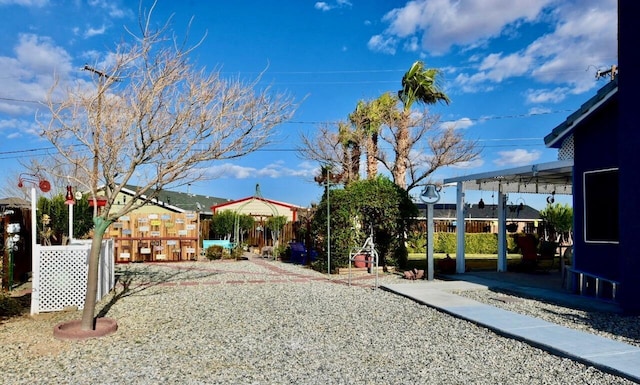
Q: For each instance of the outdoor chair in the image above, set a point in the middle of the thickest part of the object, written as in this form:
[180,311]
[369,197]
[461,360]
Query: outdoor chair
[531,258]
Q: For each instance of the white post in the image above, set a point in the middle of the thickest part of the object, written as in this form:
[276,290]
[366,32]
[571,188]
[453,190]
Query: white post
[70,223]
[35,258]
[460,229]
[33,219]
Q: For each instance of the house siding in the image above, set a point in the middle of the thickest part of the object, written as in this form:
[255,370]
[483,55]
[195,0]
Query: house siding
[595,149]
[629,154]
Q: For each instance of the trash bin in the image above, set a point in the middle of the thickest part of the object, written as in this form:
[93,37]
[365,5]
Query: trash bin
[298,253]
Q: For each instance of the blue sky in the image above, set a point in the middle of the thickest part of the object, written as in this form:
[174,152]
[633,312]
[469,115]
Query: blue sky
[513,70]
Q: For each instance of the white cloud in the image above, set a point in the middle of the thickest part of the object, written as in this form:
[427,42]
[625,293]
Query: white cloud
[539,111]
[25,3]
[547,96]
[469,165]
[16,128]
[441,24]
[380,43]
[516,157]
[581,34]
[113,10]
[90,32]
[324,6]
[461,123]
[321,5]
[30,73]
[274,170]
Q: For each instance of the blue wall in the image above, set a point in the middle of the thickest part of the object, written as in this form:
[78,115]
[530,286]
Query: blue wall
[595,149]
[629,154]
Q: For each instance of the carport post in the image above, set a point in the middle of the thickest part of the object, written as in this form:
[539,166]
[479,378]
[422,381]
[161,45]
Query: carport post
[460,228]
[502,233]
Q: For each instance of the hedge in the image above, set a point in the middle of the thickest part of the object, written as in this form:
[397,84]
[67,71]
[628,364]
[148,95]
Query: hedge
[474,243]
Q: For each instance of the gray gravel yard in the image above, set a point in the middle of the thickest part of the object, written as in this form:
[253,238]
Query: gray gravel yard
[266,322]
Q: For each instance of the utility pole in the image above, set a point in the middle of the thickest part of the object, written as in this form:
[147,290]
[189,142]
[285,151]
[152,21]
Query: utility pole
[96,132]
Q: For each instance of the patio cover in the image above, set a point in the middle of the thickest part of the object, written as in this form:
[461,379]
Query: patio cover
[542,178]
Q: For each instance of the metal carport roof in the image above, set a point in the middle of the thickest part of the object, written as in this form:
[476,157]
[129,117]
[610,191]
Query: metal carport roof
[542,178]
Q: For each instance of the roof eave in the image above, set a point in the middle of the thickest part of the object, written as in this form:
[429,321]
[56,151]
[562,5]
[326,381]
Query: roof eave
[557,135]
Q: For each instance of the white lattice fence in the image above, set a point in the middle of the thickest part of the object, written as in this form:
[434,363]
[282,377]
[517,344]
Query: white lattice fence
[60,275]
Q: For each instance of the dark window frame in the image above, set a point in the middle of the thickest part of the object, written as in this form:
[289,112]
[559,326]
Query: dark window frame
[601,206]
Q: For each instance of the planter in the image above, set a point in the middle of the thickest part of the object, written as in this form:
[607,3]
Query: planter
[72,330]
[361,260]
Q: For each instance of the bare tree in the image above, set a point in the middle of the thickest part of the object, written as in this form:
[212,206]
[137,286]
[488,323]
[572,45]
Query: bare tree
[331,149]
[10,189]
[446,147]
[155,120]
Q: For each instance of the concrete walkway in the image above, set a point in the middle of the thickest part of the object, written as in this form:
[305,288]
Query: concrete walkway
[607,355]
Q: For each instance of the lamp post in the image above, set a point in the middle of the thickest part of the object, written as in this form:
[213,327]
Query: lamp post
[328,226]
[430,196]
[70,202]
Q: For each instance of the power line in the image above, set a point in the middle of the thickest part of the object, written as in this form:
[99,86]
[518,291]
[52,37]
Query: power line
[16,154]
[20,100]
[484,118]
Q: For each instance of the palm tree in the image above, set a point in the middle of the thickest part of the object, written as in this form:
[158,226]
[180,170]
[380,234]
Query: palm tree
[367,121]
[350,141]
[419,84]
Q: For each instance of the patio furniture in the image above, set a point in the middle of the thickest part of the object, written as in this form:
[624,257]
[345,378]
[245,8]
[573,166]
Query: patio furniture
[534,252]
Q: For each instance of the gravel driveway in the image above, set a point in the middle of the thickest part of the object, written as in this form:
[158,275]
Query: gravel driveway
[266,322]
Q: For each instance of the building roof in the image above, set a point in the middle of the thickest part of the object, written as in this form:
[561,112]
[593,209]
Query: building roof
[14,202]
[268,201]
[489,212]
[180,201]
[559,133]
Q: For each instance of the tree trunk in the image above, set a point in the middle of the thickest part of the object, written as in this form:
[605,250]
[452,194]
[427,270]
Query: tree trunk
[88,322]
[372,151]
[355,163]
[403,147]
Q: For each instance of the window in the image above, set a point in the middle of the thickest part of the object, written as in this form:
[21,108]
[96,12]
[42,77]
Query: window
[601,223]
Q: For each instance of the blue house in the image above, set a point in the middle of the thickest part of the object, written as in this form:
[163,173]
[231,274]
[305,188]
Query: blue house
[599,164]
[604,138]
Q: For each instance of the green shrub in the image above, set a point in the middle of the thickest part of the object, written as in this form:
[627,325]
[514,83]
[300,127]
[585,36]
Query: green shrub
[375,206]
[9,306]
[474,243]
[444,242]
[236,252]
[214,252]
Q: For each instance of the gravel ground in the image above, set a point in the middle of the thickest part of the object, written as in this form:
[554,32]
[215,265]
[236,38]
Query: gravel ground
[265,322]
